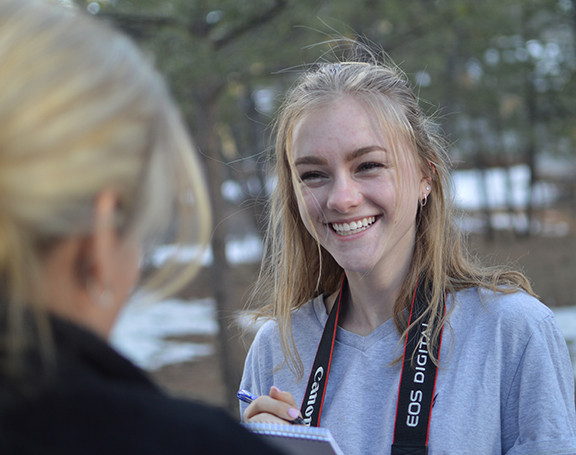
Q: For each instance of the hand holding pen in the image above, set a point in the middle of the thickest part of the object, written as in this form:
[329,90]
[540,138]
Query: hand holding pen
[279,405]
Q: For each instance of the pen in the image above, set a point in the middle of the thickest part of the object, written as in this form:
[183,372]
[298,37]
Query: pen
[247,397]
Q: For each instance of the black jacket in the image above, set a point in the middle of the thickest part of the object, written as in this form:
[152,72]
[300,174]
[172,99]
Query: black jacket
[100,403]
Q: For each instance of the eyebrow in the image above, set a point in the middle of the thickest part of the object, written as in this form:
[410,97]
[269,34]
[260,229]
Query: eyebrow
[314,159]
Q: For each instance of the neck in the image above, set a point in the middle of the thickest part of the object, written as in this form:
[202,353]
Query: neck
[373,294]
[370,301]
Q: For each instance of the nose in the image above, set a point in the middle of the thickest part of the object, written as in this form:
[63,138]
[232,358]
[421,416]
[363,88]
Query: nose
[344,195]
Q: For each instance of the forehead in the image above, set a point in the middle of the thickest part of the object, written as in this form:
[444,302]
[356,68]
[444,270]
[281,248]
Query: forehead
[344,126]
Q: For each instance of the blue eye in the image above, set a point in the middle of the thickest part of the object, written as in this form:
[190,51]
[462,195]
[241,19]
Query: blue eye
[311,175]
[369,166]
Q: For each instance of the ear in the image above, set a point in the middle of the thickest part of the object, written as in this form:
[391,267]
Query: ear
[105,242]
[79,273]
[425,187]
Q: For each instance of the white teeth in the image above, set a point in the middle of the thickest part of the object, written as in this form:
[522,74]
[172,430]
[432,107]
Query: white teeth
[354,226]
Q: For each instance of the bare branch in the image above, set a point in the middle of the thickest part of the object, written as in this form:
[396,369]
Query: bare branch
[251,24]
[419,30]
[138,25]
[141,26]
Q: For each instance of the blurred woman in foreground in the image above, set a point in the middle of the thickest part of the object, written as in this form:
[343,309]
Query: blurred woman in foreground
[94,163]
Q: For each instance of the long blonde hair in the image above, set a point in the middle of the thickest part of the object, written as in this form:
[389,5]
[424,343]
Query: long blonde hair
[296,268]
[82,110]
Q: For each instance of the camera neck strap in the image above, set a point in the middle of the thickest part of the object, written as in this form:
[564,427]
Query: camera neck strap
[311,408]
[417,381]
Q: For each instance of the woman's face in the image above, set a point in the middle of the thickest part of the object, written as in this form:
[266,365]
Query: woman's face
[361,203]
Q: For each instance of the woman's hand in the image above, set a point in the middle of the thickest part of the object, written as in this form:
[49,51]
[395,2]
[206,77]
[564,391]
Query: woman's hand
[278,407]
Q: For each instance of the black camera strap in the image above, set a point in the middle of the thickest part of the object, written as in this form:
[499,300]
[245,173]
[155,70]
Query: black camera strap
[417,382]
[311,408]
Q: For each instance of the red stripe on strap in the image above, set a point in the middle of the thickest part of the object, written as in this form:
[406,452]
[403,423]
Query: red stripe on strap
[331,352]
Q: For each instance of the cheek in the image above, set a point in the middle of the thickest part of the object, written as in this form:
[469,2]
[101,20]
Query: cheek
[305,214]
[131,265]
[308,210]
[406,204]
[407,187]
[137,263]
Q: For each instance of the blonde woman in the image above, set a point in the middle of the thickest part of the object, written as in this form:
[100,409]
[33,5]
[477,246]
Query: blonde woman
[363,250]
[94,163]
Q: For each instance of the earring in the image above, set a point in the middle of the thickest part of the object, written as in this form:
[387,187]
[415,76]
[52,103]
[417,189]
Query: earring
[424,200]
[427,188]
[103,298]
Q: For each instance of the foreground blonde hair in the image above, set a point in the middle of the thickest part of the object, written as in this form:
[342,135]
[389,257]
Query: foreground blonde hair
[81,111]
[296,268]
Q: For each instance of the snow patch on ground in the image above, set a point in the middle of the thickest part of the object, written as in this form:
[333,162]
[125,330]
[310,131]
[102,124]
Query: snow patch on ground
[143,332]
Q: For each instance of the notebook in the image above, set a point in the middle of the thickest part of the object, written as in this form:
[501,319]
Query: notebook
[297,439]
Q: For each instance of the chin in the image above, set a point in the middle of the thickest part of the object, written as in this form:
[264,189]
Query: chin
[356,267]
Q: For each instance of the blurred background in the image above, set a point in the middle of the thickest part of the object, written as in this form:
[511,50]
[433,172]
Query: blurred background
[499,76]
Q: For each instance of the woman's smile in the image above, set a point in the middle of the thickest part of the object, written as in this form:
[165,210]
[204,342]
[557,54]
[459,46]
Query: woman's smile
[353,227]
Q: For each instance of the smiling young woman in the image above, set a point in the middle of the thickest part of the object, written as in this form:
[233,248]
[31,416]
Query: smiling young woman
[362,238]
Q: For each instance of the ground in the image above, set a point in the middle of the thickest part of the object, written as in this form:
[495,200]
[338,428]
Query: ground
[549,262]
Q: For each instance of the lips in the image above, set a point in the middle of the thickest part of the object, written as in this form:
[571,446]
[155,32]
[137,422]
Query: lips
[353,227]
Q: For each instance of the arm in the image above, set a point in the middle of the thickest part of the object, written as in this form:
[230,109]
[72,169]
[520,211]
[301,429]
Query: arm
[273,405]
[538,415]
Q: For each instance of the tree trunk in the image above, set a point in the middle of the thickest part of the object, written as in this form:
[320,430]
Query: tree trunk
[483,191]
[530,154]
[257,136]
[450,76]
[230,350]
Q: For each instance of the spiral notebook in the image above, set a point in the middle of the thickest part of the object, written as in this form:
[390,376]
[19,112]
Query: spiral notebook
[297,439]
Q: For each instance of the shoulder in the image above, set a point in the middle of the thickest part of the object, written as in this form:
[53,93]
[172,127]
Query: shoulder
[512,321]
[486,306]
[302,320]
[127,419]
[266,362]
